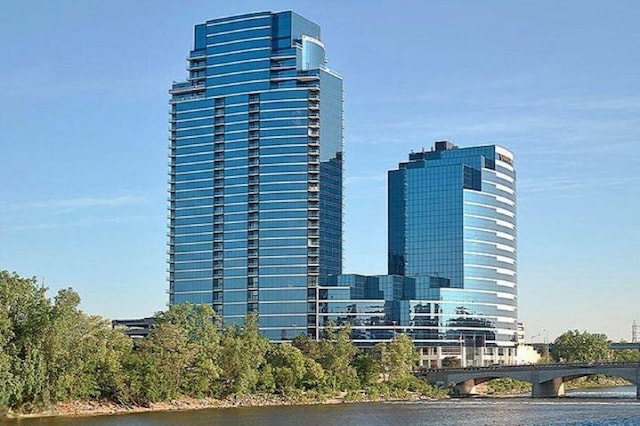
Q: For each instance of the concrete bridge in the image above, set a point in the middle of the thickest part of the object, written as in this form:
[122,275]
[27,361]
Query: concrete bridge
[547,379]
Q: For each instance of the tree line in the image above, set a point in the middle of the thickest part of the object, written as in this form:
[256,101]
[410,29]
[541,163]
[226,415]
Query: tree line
[582,346]
[51,351]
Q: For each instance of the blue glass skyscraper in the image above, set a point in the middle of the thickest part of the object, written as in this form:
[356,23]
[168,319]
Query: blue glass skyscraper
[256,172]
[452,228]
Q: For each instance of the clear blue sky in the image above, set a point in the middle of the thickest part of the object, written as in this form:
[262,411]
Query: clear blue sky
[83,140]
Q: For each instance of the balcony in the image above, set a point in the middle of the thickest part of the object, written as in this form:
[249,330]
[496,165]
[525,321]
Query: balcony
[183,89]
[198,54]
[307,78]
[196,65]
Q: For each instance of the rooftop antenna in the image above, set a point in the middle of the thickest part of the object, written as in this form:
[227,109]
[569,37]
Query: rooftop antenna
[634,332]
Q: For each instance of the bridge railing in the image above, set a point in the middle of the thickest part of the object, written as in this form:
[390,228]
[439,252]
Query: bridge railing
[554,365]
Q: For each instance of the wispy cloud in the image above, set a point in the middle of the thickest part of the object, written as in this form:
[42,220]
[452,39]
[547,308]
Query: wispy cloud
[617,104]
[85,222]
[79,203]
[563,183]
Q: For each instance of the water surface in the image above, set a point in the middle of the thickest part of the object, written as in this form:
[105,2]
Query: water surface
[593,407]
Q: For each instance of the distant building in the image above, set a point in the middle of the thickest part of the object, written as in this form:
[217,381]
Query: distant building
[255,173]
[520,339]
[136,328]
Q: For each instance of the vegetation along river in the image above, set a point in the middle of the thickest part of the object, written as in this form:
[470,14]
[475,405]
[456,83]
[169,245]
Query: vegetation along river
[593,407]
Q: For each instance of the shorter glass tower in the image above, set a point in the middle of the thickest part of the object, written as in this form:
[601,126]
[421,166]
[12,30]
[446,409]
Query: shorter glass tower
[452,228]
[452,281]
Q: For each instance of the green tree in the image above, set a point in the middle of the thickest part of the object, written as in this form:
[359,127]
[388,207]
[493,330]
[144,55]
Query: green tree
[179,357]
[288,367]
[629,355]
[398,358]
[367,364]
[24,322]
[243,356]
[159,364]
[337,353]
[311,348]
[53,352]
[576,346]
[451,362]
[200,325]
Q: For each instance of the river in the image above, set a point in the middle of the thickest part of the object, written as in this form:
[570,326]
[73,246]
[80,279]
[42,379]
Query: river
[592,407]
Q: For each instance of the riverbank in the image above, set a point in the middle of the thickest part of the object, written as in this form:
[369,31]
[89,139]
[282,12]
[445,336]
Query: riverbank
[91,408]
[597,381]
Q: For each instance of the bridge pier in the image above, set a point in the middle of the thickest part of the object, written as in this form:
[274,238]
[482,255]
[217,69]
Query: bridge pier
[466,388]
[549,389]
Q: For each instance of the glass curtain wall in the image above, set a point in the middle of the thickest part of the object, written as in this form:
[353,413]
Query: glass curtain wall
[256,172]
